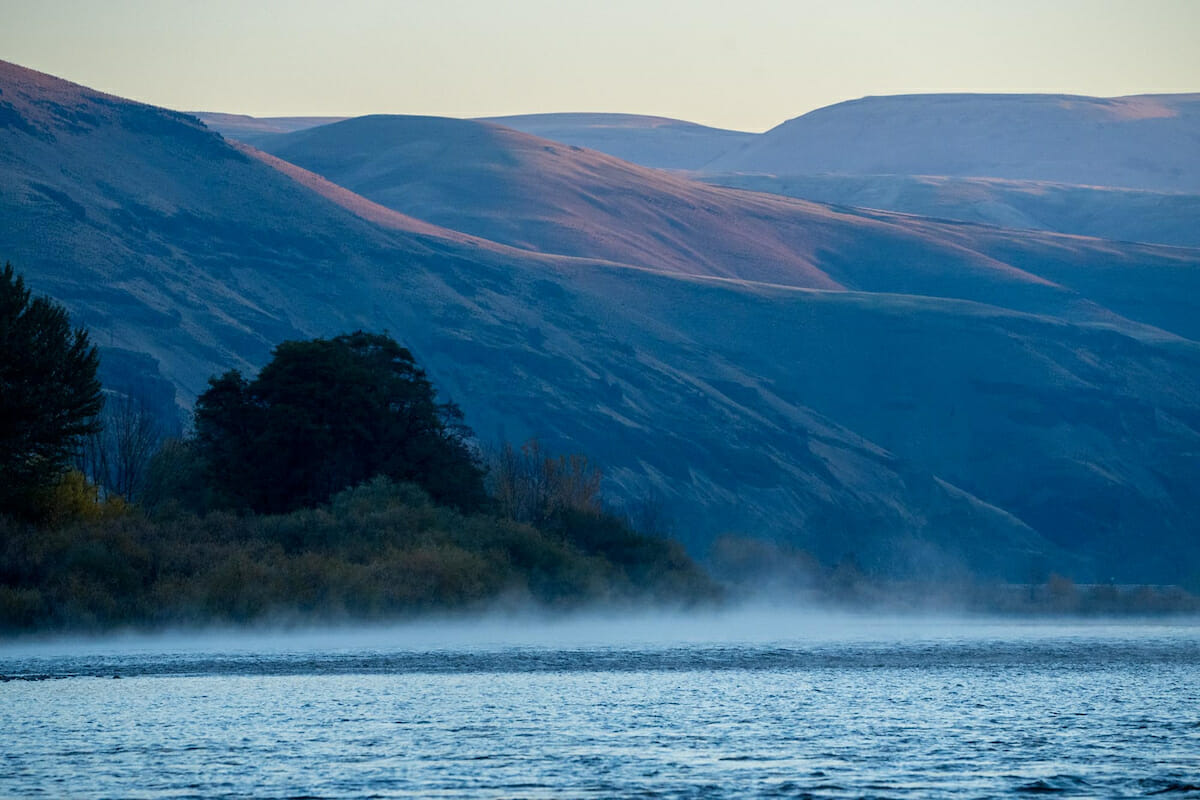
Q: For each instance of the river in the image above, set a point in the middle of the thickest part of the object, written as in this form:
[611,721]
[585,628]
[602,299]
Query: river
[746,704]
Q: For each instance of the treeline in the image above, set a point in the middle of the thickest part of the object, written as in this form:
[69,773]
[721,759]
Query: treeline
[333,484]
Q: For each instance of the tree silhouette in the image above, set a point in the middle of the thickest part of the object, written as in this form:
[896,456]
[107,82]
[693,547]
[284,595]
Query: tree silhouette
[328,414]
[49,394]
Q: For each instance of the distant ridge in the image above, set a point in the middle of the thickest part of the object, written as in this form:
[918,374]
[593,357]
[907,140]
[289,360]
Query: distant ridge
[1118,168]
[1147,142]
[1137,142]
[649,141]
[250,129]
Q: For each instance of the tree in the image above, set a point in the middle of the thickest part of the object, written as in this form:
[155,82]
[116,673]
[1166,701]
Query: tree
[117,458]
[328,414]
[49,394]
[531,485]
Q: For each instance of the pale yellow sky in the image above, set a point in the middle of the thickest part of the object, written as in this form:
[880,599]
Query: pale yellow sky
[748,64]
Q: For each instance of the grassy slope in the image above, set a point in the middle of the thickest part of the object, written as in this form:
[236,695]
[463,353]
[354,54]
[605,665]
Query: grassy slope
[530,193]
[1128,215]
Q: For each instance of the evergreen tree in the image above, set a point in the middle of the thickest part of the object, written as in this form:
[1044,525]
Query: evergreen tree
[49,394]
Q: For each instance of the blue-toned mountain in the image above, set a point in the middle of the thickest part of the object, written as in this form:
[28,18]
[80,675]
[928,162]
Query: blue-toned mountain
[947,397]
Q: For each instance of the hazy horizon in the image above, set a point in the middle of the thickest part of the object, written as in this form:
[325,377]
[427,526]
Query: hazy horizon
[691,61]
[651,115]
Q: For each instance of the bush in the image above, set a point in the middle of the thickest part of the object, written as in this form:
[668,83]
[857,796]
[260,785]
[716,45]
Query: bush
[74,499]
[531,485]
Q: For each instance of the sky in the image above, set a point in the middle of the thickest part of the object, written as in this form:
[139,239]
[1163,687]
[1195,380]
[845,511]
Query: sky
[748,65]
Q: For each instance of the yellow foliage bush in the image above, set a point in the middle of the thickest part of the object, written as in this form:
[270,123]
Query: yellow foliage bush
[75,499]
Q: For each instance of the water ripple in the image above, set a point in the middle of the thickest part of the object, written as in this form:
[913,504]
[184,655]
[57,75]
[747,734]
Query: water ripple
[1102,717]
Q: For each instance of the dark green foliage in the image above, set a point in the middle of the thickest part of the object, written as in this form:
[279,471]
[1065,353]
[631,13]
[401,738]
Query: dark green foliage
[379,550]
[49,395]
[328,414]
[176,479]
[642,560]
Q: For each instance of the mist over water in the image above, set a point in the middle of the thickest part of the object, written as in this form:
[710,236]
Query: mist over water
[749,625]
[748,702]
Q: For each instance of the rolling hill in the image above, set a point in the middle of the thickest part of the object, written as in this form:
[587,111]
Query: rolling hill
[946,156]
[863,154]
[649,141]
[516,189]
[919,394]
[1140,142]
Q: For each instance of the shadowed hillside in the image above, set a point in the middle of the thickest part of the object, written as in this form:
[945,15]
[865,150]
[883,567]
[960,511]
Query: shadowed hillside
[922,434]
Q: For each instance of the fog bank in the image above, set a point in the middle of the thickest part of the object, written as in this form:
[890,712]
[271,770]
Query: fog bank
[747,625]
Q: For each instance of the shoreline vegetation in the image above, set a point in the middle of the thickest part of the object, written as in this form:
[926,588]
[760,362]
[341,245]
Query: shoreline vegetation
[334,483]
[107,523]
[378,551]
[384,552]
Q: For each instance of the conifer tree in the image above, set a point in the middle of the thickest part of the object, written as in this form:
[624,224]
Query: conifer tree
[49,394]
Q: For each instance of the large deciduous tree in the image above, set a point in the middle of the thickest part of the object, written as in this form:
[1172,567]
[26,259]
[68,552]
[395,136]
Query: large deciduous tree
[327,414]
[49,394]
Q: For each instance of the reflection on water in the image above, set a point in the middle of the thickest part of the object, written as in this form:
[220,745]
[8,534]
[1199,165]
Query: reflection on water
[762,705]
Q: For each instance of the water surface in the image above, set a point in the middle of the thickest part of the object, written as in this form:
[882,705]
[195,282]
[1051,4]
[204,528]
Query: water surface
[742,705]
